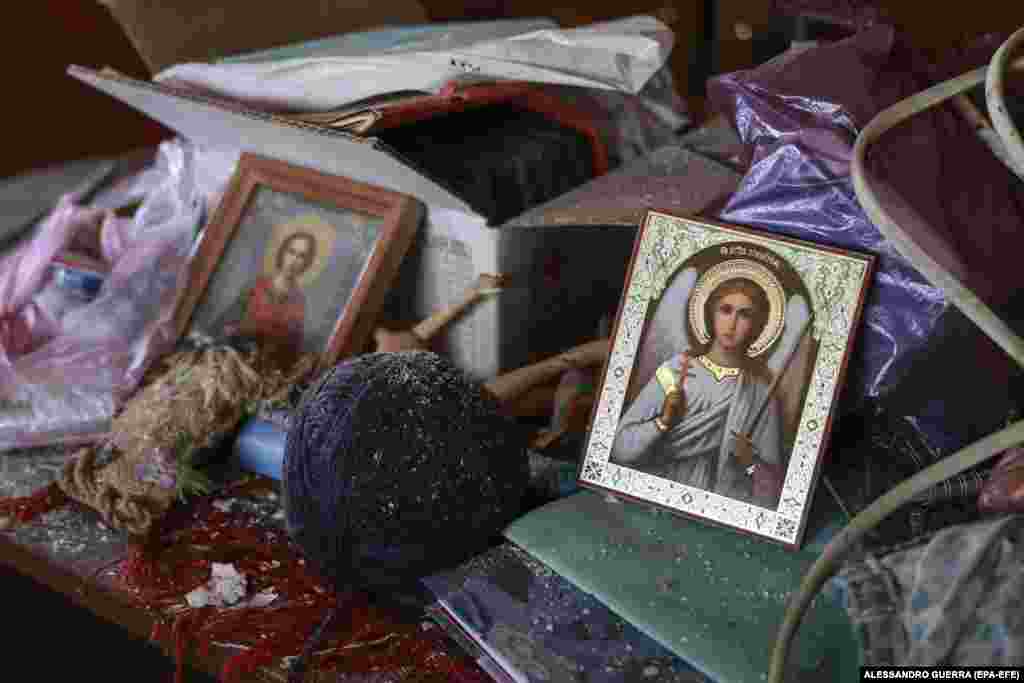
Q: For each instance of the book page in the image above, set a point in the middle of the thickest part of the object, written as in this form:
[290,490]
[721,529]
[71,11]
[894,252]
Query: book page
[456,248]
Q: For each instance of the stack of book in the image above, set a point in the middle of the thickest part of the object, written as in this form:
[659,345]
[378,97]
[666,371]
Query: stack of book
[526,624]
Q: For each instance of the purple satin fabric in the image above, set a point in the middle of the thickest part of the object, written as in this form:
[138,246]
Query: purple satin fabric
[799,115]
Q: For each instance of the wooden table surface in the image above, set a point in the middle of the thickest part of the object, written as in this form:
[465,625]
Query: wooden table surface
[71,551]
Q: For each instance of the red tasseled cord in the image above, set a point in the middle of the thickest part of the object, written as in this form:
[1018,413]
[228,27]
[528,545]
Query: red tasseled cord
[160,578]
[181,633]
[158,632]
[140,567]
[26,508]
[245,663]
[184,632]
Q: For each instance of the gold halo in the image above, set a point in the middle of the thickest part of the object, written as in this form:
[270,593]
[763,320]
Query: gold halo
[748,270]
[315,225]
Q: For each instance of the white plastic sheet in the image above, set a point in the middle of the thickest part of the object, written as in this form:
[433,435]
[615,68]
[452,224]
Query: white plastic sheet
[616,55]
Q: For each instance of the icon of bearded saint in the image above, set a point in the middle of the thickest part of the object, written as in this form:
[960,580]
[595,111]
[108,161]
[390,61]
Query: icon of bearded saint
[709,414]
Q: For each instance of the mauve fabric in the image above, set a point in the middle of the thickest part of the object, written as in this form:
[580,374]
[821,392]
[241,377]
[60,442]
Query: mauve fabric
[800,113]
[852,13]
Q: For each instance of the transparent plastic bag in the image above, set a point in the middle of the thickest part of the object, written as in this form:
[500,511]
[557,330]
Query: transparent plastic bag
[63,376]
[633,126]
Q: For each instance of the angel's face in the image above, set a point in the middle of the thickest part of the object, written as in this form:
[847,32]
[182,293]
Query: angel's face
[734,321]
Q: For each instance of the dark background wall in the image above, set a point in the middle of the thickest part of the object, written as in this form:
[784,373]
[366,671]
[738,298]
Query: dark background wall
[49,117]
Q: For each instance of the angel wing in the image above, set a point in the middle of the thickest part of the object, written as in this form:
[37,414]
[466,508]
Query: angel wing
[797,313]
[665,334]
[792,385]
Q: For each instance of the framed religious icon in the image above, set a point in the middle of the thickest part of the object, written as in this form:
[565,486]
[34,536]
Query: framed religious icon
[297,259]
[727,358]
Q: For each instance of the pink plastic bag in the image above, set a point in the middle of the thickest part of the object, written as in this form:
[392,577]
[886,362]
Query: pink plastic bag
[65,370]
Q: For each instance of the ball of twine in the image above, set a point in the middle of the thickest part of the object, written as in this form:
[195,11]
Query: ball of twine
[397,465]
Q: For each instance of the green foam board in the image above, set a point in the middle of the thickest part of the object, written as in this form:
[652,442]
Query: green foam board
[712,596]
